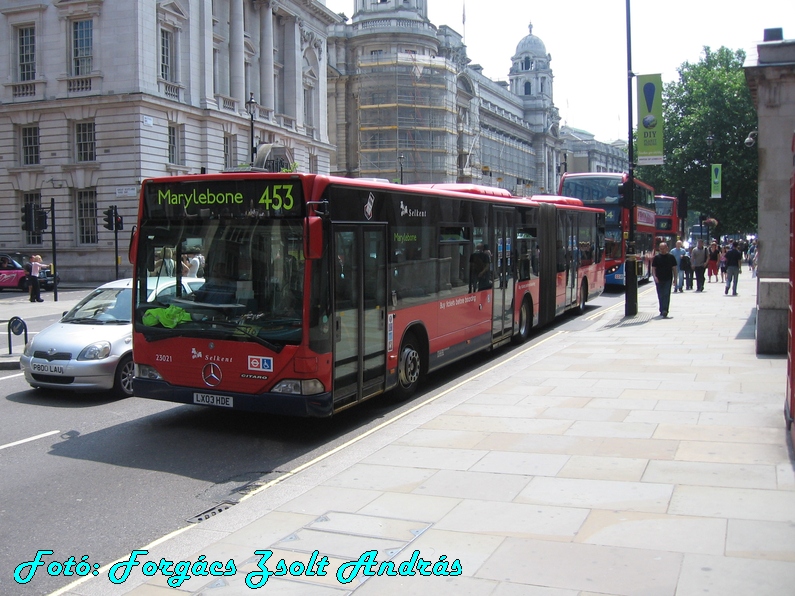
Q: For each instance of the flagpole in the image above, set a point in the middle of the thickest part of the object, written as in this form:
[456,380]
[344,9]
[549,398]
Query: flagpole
[464,21]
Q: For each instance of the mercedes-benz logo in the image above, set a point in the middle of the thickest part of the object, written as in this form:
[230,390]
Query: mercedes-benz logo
[211,373]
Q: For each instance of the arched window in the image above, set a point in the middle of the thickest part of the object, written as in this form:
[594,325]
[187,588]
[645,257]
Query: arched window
[528,89]
[527,63]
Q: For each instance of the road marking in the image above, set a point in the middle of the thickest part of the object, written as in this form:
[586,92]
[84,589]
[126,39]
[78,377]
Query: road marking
[12,376]
[311,463]
[29,439]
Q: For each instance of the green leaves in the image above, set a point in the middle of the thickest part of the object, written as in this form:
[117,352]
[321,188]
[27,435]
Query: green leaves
[711,99]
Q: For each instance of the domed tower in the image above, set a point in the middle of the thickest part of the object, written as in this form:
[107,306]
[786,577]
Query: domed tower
[531,79]
[530,74]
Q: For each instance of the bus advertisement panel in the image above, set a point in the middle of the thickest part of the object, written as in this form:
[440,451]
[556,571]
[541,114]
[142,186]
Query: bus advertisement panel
[601,190]
[322,292]
[668,224]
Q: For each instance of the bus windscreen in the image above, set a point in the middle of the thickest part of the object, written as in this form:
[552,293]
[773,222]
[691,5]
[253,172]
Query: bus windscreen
[592,190]
[238,249]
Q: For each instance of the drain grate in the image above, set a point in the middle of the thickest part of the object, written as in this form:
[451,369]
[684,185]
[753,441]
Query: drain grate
[211,512]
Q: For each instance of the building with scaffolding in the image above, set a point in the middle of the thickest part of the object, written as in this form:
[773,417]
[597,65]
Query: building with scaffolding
[406,105]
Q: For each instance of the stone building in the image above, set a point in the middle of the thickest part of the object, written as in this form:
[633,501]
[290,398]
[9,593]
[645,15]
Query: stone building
[583,153]
[771,79]
[406,104]
[100,94]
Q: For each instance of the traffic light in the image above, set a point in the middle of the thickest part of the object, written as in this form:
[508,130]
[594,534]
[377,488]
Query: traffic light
[29,217]
[624,196]
[110,215]
[682,204]
[41,220]
[119,222]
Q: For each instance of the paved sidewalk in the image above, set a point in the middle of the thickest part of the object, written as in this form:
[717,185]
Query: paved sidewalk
[641,456]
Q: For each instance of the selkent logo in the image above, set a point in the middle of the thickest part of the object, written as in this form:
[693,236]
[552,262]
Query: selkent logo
[260,363]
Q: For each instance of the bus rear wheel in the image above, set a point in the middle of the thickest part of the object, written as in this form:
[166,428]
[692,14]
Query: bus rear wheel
[583,297]
[525,321]
[409,367]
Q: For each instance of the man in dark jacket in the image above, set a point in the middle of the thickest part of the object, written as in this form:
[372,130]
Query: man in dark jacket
[733,259]
[663,267]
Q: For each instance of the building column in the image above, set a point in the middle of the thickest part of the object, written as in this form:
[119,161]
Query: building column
[266,57]
[237,58]
[293,79]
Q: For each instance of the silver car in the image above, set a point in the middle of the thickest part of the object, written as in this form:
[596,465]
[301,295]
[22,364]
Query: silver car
[90,348]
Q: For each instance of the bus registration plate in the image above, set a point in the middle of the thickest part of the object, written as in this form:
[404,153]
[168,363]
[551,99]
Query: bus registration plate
[209,399]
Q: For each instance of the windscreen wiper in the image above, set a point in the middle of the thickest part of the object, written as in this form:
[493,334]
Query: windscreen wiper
[263,342]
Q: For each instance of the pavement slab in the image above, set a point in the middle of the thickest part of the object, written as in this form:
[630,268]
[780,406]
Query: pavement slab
[623,456]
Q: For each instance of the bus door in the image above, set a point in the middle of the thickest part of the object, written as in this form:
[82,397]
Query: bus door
[504,281]
[359,312]
[568,231]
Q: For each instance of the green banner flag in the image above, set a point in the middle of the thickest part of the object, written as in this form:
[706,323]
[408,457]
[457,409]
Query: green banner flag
[716,173]
[650,120]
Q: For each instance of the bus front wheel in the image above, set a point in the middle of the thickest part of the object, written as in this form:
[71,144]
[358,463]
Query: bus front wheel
[409,367]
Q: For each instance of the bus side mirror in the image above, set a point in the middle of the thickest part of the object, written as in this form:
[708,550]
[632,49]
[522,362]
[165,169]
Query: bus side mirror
[313,237]
[133,245]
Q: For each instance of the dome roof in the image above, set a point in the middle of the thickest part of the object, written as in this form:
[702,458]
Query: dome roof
[531,45]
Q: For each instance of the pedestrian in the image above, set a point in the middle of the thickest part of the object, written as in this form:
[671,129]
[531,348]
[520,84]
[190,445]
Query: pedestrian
[712,263]
[678,253]
[33,280]
[751,256]
[722,262]
[733,267]
[687,268]
[663,267]
[698,260]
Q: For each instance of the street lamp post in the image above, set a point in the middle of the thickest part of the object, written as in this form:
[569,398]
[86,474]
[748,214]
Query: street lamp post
[251,108]
[630,265]
[400,160]
[710,140]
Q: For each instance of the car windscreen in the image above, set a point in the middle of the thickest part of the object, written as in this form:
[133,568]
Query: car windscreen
[102,306]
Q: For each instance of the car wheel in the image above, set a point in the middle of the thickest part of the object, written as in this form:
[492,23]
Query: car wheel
[23,285]
[123,383]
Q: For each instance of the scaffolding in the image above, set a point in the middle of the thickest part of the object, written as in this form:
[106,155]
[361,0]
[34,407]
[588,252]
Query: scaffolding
[407,118]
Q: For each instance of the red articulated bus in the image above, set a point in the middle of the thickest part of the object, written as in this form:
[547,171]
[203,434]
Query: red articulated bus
[321,292]
[601,190]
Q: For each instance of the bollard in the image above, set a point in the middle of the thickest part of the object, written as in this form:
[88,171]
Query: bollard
[16,326]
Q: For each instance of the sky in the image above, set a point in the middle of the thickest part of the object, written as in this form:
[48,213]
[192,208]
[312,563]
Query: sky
[587,40]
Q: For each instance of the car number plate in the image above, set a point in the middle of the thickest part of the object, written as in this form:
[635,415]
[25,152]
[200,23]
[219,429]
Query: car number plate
[50,369]
[210,399]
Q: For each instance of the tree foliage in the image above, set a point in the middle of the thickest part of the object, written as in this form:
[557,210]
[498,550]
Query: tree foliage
[711,98]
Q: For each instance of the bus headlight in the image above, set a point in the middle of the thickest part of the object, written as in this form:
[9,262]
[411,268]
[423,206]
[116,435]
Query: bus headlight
[299,387]
[144,371]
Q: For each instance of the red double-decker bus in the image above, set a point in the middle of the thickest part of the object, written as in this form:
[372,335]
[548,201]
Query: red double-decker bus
[322,292]
[668,224]
[602,190]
